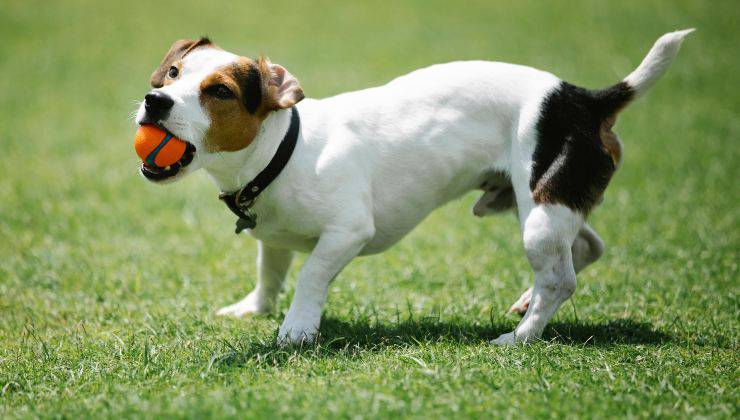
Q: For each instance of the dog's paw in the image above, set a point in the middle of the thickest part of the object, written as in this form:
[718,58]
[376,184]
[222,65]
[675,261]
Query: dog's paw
[297,333]
[249,306]
[508,339]
[522,304]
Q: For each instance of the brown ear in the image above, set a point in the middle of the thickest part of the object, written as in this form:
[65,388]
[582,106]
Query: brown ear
[176,52]
[283,89]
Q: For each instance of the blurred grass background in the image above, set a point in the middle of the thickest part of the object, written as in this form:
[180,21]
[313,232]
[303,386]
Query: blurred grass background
[108,284]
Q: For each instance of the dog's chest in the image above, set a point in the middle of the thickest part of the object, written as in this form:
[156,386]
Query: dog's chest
[285,224]
[280,235]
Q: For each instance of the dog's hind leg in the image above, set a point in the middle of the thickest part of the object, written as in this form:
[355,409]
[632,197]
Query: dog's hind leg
[272,267]
[520,306]
[548,231]
[587,248]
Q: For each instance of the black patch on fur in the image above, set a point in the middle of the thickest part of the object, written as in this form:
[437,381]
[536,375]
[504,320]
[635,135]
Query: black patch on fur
[571,165]
[252,89]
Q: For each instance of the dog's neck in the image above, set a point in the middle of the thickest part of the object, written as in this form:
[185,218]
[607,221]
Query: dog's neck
[233,170]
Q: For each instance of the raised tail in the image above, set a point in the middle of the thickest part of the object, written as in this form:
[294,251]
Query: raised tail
[656,62]
[608,102]
[567,168]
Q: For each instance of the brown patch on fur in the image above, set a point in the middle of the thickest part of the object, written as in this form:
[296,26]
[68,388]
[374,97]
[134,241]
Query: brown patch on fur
[232,127]
[545,193]
[610,140]
[259,88]
[177,51]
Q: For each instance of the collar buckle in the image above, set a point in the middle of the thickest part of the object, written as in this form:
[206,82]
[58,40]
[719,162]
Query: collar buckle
[243,202]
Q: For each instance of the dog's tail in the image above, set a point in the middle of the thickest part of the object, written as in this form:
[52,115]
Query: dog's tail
[655,63]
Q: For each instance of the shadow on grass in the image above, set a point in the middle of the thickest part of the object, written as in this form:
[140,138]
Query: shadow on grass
[619,331]
[339,333]
[341,338]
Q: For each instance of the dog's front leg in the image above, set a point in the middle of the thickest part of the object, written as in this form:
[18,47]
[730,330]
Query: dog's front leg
[272,267]
[334,250]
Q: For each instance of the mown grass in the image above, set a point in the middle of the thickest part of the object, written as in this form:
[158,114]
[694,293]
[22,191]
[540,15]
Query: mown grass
[108,285]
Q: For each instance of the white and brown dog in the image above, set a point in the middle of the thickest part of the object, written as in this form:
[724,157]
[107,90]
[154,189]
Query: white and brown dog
[352,174]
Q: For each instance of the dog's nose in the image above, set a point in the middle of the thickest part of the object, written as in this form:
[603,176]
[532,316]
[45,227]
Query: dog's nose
[157,103]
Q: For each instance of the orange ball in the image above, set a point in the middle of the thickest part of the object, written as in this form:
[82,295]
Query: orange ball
[157,147]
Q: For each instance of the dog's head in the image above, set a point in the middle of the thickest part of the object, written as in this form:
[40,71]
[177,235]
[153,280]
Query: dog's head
[212,99]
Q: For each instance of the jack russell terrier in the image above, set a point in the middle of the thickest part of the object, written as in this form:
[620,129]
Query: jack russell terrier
[352,174]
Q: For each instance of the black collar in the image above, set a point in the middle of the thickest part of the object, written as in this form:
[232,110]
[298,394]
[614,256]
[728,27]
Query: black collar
[241,200]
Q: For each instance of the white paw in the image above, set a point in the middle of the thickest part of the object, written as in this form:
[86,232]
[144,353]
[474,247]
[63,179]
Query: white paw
[522,304]
[508,339]
[250,305]
[298,331]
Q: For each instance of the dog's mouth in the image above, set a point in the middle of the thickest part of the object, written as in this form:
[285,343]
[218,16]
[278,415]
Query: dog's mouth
[155,173]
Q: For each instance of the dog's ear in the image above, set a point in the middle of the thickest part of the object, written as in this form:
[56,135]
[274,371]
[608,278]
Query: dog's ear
[176,52]
[283,90]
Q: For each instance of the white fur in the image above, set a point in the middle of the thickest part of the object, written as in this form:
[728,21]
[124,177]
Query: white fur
[656,62]
[370,165]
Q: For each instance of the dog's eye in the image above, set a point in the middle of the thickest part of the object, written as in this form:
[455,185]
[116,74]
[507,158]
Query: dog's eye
[219,91]
[172,73]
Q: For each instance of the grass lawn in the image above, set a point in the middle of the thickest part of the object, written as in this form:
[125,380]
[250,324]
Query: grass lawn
[108,284]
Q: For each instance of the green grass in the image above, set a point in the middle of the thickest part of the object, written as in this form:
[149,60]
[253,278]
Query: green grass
[108,284]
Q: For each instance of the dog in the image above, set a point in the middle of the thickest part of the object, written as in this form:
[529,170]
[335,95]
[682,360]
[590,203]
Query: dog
[352,174]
